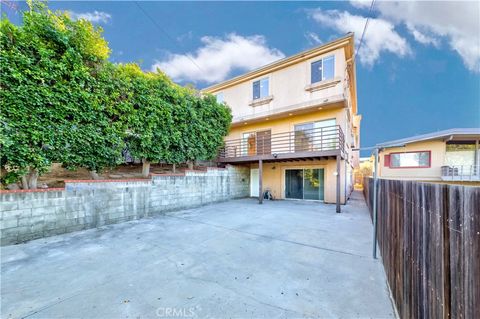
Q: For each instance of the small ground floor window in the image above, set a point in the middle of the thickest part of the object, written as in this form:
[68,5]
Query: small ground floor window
[304,183]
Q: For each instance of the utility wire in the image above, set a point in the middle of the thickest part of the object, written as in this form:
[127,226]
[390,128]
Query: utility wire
[166,34]
[10,4]
[365,28]
[361,38]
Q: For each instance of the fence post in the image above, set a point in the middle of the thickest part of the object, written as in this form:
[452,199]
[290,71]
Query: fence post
[375,174]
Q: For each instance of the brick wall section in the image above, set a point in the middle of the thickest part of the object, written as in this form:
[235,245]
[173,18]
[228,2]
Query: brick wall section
[89,204]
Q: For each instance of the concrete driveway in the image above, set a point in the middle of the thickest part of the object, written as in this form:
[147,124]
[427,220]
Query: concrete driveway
[238,259]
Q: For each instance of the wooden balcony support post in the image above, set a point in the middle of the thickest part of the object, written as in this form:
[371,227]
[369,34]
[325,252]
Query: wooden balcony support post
[260,181]
[338,184]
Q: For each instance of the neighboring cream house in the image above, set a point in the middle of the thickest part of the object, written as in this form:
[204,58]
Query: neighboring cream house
[450,155]
[295,124]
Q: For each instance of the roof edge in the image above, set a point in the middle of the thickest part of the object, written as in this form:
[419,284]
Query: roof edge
[279,64]
[430,136]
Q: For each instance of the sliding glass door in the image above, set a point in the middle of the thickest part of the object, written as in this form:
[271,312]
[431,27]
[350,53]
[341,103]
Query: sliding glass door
[304,184]
[294,183]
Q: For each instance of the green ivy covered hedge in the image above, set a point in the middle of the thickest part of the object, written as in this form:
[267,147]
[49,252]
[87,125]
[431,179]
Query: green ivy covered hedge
[63,101]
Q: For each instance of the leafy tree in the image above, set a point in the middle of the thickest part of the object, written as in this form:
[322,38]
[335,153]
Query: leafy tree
[215,118]
[94,133]
[150,129]
[170,123]
[62,101]
[202,134]
[51,107]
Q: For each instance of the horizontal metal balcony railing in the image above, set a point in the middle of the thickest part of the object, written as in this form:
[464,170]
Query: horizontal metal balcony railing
[461,172]
[311,140]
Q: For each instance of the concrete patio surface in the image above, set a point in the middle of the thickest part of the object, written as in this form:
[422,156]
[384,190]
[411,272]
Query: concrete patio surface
[237,259]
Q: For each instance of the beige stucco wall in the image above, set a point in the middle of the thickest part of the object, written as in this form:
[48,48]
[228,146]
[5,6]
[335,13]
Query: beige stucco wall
[294,100]
[437,149]
[287,86]
[274,177]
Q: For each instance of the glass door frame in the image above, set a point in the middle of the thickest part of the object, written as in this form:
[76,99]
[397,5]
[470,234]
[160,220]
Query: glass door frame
[303,181]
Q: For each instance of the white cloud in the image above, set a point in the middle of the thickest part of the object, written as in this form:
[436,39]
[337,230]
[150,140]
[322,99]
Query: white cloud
[218,57]
[94,17]
[422,36]
[361,3]
[313,38]
[458,23]
[380,37]
[185,36]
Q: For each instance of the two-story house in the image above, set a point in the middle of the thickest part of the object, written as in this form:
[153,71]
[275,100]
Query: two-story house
[449,155]
[295,124]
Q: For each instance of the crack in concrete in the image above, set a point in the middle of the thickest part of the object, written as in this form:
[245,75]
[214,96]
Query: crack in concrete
[51,305]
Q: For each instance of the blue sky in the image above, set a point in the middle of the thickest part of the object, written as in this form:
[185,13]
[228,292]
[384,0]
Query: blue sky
[418,69]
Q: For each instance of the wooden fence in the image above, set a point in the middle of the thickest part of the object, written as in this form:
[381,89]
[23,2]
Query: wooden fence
[429,240]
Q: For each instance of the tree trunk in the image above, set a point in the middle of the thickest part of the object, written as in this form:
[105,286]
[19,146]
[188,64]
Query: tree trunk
[174,168]
[32,179]
[190,164]
[94,175]
[24,182]
[145,168]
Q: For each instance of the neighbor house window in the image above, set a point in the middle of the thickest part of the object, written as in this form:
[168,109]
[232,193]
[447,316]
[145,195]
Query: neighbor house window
[219,97]
[460,153]
[260,88]
[408,160]
[323,69]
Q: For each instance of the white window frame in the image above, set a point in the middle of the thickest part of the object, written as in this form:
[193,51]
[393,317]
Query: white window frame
[323,74]
[267,78]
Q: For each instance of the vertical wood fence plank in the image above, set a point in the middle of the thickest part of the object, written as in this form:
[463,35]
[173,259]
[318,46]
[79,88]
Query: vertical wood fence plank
[429,240]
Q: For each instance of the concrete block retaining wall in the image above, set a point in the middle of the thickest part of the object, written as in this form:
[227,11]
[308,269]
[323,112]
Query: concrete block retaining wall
[27,215]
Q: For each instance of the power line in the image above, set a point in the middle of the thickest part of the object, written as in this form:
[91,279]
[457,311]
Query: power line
[361,38]
[167,35]
[10,4]
[365,28]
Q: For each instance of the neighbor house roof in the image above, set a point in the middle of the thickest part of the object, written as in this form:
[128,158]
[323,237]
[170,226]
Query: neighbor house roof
[432,136]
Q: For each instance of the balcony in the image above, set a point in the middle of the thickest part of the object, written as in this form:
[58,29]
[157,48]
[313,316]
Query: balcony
[461,173]
[315,143]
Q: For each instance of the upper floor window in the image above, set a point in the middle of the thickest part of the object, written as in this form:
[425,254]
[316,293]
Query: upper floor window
[408,160]
[260,88]
[323,69]
[219,97]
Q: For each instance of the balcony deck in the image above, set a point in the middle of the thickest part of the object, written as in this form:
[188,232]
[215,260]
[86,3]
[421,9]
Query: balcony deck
[310,144]
[457,173]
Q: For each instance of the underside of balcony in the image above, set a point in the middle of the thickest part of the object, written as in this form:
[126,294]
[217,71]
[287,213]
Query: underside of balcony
[284,157]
